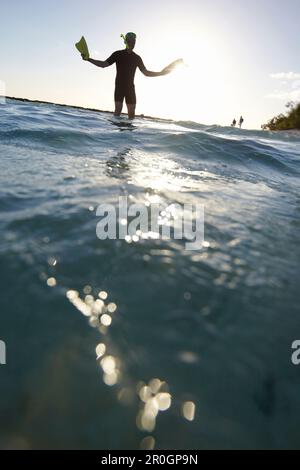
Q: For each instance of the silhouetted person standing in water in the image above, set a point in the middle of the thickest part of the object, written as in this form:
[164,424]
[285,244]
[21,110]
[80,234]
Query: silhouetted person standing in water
[127,62]
[233,123]
[241,121]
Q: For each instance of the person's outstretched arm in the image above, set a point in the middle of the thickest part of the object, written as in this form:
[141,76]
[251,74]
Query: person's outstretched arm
[165,71]
[148,73]
[104,63]
[99,63]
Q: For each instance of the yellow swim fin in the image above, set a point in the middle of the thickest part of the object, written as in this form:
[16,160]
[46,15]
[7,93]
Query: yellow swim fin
[82,47]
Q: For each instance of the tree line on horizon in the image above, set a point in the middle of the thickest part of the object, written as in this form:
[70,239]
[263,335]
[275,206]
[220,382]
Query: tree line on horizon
[284,122]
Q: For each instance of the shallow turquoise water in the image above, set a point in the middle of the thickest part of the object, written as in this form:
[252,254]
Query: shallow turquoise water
[214,326]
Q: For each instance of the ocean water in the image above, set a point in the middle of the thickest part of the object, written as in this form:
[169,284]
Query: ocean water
[195,346]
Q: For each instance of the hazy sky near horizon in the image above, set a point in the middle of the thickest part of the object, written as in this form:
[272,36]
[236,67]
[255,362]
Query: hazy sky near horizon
[243,57]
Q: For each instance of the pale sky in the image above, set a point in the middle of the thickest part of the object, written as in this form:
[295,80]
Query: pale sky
[243,56]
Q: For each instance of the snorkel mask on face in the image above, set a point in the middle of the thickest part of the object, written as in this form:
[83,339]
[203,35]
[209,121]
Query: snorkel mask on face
[127,37]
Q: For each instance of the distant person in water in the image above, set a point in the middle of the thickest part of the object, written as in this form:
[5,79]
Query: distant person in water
[233,123]
[127,62]
[241,121]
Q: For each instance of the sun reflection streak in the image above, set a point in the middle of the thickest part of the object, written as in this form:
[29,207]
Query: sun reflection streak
[188,410]
[157,172]
[153,397]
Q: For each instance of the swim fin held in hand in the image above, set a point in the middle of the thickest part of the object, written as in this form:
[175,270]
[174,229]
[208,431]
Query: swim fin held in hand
[82,47]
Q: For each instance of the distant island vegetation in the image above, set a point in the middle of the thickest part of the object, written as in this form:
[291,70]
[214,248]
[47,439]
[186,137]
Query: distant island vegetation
[283,122]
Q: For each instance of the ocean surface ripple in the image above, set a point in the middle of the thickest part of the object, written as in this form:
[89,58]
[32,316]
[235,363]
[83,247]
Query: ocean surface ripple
[123,344]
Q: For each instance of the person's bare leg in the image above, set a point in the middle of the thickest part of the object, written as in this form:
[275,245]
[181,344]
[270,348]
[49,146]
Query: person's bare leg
[131,111]
[118,108]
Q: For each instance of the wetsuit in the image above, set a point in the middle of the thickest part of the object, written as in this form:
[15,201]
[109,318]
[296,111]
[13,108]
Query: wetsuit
[127,63]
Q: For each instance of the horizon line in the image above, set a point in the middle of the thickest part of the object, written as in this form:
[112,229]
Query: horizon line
[96,110]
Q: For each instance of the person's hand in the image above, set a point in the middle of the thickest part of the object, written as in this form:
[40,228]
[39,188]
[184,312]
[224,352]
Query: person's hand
[175,63]
[172,66]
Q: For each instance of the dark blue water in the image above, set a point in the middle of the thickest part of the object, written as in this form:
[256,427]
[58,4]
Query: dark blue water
[195,346]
